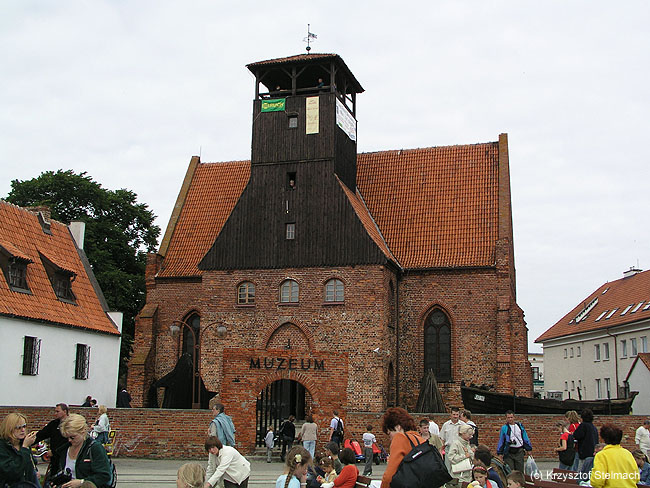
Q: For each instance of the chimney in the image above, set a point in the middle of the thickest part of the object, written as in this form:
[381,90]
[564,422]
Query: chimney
[43,210]
[78,230]
[631,272]
[44,216]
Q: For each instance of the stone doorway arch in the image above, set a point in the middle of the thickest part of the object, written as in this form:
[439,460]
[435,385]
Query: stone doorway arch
[278,400]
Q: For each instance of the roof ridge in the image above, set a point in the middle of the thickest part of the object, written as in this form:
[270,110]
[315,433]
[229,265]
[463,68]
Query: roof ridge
[429,147]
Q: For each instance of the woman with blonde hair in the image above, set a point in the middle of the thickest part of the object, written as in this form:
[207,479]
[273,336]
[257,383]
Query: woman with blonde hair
[15,451]
[295,472]
[85,458]
[102,425]
[574,421]
[190,475]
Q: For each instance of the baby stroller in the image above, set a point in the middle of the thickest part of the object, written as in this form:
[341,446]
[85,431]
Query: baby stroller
[356,449]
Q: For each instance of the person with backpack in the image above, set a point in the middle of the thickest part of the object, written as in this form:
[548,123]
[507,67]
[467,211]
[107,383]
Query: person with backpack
[287,435]
[587,437]
[566,450]
[513,441]
[84,456]
[336,429]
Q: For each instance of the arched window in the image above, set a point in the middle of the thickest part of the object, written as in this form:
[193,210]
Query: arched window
[246,293]
[289,292]
[437,345]
[194,321]
[334,291]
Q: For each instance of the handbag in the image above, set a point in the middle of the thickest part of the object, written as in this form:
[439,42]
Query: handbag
[422,467]
[459,467]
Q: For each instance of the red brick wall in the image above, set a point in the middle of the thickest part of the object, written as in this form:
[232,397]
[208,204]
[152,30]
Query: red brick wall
[157,433]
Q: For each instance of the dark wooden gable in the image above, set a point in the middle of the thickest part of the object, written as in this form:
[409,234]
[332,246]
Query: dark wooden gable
[327,229]
[294,175]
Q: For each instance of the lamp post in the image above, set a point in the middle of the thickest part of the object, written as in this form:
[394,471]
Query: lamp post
[175,328]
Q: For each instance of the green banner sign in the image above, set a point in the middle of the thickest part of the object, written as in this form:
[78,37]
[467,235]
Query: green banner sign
[274,105]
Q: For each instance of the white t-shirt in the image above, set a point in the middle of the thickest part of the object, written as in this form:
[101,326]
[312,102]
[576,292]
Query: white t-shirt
[368,439]
[642,438]
[433,428]
[69,463]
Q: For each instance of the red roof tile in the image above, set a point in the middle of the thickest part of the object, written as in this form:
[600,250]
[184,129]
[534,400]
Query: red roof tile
[213,193]
[425,208]
[610,309]
[22,231]
[436,207]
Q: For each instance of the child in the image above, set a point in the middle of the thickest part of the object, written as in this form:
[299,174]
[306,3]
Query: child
[332,450]
[516,480]
[480,475]
[368,440]
[295,472]
[270,443]
[327,466]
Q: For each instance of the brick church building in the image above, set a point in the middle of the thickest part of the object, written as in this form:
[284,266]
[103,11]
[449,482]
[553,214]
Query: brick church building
[313,278]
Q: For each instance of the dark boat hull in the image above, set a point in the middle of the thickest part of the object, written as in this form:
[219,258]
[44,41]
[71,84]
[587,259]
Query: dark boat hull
[482,401]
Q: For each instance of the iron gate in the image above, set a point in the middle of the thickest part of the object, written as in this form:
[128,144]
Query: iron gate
[275,403]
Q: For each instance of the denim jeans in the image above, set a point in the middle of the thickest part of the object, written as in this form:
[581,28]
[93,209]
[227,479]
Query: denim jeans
[310,446]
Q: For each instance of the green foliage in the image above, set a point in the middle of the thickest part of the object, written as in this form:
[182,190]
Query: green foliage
[119,233]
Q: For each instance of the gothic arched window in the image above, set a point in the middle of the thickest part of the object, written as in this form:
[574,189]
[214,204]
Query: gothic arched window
[437,345]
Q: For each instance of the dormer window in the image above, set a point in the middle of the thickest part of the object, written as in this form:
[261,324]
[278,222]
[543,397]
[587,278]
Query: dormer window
[14,267]
[61,280]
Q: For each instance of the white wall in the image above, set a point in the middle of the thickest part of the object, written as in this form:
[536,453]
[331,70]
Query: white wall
[55,381]
[639,381]
[585,368]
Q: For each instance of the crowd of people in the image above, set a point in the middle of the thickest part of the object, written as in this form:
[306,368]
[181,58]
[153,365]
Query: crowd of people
[78,453]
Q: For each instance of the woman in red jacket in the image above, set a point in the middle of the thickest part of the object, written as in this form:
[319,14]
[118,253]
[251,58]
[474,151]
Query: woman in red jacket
[398,424]
[348,476]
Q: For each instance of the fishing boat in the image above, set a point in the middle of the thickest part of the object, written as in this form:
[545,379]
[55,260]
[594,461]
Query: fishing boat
[478,400]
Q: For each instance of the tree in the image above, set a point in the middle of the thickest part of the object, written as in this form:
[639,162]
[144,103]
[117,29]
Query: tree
[119,233]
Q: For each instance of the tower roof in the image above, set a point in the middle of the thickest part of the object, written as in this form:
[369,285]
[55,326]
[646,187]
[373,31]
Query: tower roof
[315,66]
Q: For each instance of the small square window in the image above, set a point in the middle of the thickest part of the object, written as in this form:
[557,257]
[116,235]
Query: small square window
[291,180]
[623,348]
[566,386]
[644,344]
[246,294]
[573,386]
[579,353]
[597,352]
[633,346]
[606,351]
[290,231]
[566,354]
[599,391]
[571,352]
[293,121]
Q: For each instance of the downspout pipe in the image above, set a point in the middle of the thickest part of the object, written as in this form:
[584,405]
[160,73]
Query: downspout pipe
[397,337]
[615,358]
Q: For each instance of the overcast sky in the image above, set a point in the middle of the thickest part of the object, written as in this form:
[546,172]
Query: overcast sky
[128,91]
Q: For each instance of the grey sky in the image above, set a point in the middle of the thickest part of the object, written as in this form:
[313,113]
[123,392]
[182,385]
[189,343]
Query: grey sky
[129,90]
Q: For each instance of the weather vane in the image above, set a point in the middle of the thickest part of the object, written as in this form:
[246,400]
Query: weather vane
[310,37]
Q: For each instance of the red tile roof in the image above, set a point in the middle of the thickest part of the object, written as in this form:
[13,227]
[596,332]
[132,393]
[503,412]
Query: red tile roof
[436,207]
[425,208]
[23,236]
[616,296]
[213,193]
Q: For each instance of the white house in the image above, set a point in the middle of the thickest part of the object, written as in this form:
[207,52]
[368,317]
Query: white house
[536,360]
[588,352]
[638,379]
[59,342]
